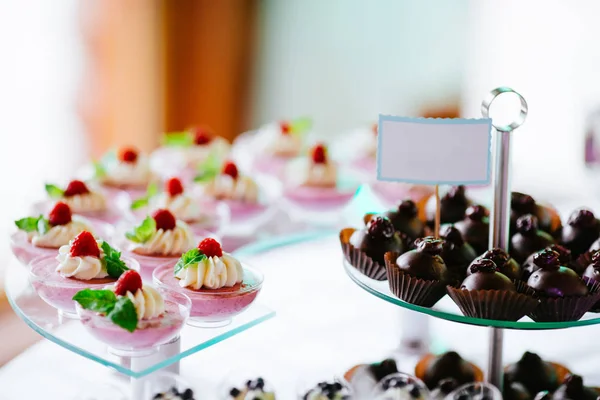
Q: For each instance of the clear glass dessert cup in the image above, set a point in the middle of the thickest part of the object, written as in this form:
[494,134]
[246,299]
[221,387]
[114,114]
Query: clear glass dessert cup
[475,391]
[57,290]
[149,333]
[214,308]
[309,383]
[402,382]
[25,251]
[164,382]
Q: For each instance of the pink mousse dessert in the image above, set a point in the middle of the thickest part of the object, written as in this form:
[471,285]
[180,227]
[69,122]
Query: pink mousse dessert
[313,183]
[84,199]
[217,283]
[83,263]
[44,235]
[240,192]
[156,240]
[132,317]
[200,215]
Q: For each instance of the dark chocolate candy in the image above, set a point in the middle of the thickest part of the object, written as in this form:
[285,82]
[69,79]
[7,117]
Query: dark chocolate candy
[548,218]
[457,253]
[533,373]
[425,261]
[377,238]
[580,232]
[565,259]
[528,238]
[552,280]
[475,228]
[406,221]
[448,365]
[485,276]
[504,262]
[573,388]
[383,369]
[453,206]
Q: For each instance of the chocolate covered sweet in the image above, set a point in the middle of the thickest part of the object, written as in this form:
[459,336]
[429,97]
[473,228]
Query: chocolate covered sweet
[573,388]
[406,221]
[424,262]
[377,238]
[433,370]
[485,276]
[580,232]
[528,239]
[453,206]
[475,228]
[548,218]
[533,373]
[504,262]
[564,259]
[553,280]
[457,253]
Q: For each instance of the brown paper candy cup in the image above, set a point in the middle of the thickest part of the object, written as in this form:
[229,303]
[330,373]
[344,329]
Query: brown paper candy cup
[409,289]
[523,288]
[492,304]
[593,287]
[563,309]
[359,260]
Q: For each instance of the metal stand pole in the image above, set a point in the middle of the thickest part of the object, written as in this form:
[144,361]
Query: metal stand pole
[500,215]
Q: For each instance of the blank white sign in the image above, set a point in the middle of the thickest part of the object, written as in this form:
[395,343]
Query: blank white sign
[434,150]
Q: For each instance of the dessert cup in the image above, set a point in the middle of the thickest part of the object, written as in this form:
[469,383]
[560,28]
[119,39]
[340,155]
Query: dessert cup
[245,385]
[165,382]
[25,252]
[343,390]
[400,386]
[213,308]
[57,290]
[148,335]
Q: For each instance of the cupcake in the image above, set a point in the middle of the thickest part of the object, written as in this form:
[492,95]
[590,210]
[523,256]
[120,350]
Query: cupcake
[400,386]
[453,206]
[364,377]
[433,369]
[405,219]
[365,248]
[252,390]
[505,264]
[563,295]
[573,388]
[489,294]
[418,276]
[457,253]
[534,374]
[564,258]
[528,239]
[175,394]
[548,218]
[475,228]
[336,390]
[581,232]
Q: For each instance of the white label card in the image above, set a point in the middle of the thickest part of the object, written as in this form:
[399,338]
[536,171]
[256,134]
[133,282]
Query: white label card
[434,151]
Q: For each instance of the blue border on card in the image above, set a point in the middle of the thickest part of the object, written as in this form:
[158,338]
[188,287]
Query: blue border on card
[437,121]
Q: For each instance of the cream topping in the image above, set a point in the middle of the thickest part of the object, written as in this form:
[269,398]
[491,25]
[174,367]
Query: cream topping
[182,206]
[225,187]
[271,140]
[60,235]
[87,202]
[121,173]
[196,154]
[172,242]
[148,302]
[83,268]
[212,273]
[304,172]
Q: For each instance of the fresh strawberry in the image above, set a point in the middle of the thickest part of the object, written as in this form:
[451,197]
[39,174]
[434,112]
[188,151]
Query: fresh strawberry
[229,168]
[210,248]
[285,127]
[60,214]
[76,187]
[128,155]
[165,220]
[319,154]
[201,136]
[129,281]
[174,187]
[85,244]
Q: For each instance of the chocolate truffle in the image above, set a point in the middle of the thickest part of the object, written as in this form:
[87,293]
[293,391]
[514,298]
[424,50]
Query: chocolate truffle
[457,253]
[383,369]
[564,259]
[548,218]
[453,206]
[572,388]
[528,238]
[448,365]
[475,228]
[581,232]
[425,261]
[504,262]
[485,276]
[552,280]
[405,220]
[377,238]
[533,373]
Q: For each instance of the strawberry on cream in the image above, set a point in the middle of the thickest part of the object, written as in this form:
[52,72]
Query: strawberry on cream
[81,258]
[205,143]
[317,170]
[80,198]
[148,302]
[278,140]
[170,238]
[179,202]
[231,185]
[129,169]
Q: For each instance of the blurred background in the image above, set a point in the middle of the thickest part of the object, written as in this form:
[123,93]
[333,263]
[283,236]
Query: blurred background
[79,77]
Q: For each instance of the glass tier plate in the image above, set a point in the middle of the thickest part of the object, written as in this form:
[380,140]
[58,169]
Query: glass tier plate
[447,310]
[71,335]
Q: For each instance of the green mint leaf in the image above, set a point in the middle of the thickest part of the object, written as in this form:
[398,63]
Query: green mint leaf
[301,126]
[124,314]
[139,203]
[29,224]
[178,139]
[152,190]
[143,232]
[54,191]
[209,169]
[112,260]
[43,225]
[192,257]
[100,301]
[99,169]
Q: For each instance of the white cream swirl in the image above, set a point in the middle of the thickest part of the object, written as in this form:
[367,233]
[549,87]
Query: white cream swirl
[271,140]
[148,302]
[224,187]
[121,173]
[212,273]
[87,202]
[182,206]
[196,154]
[172,242]
[83,268]
[60,235]
[304,172]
